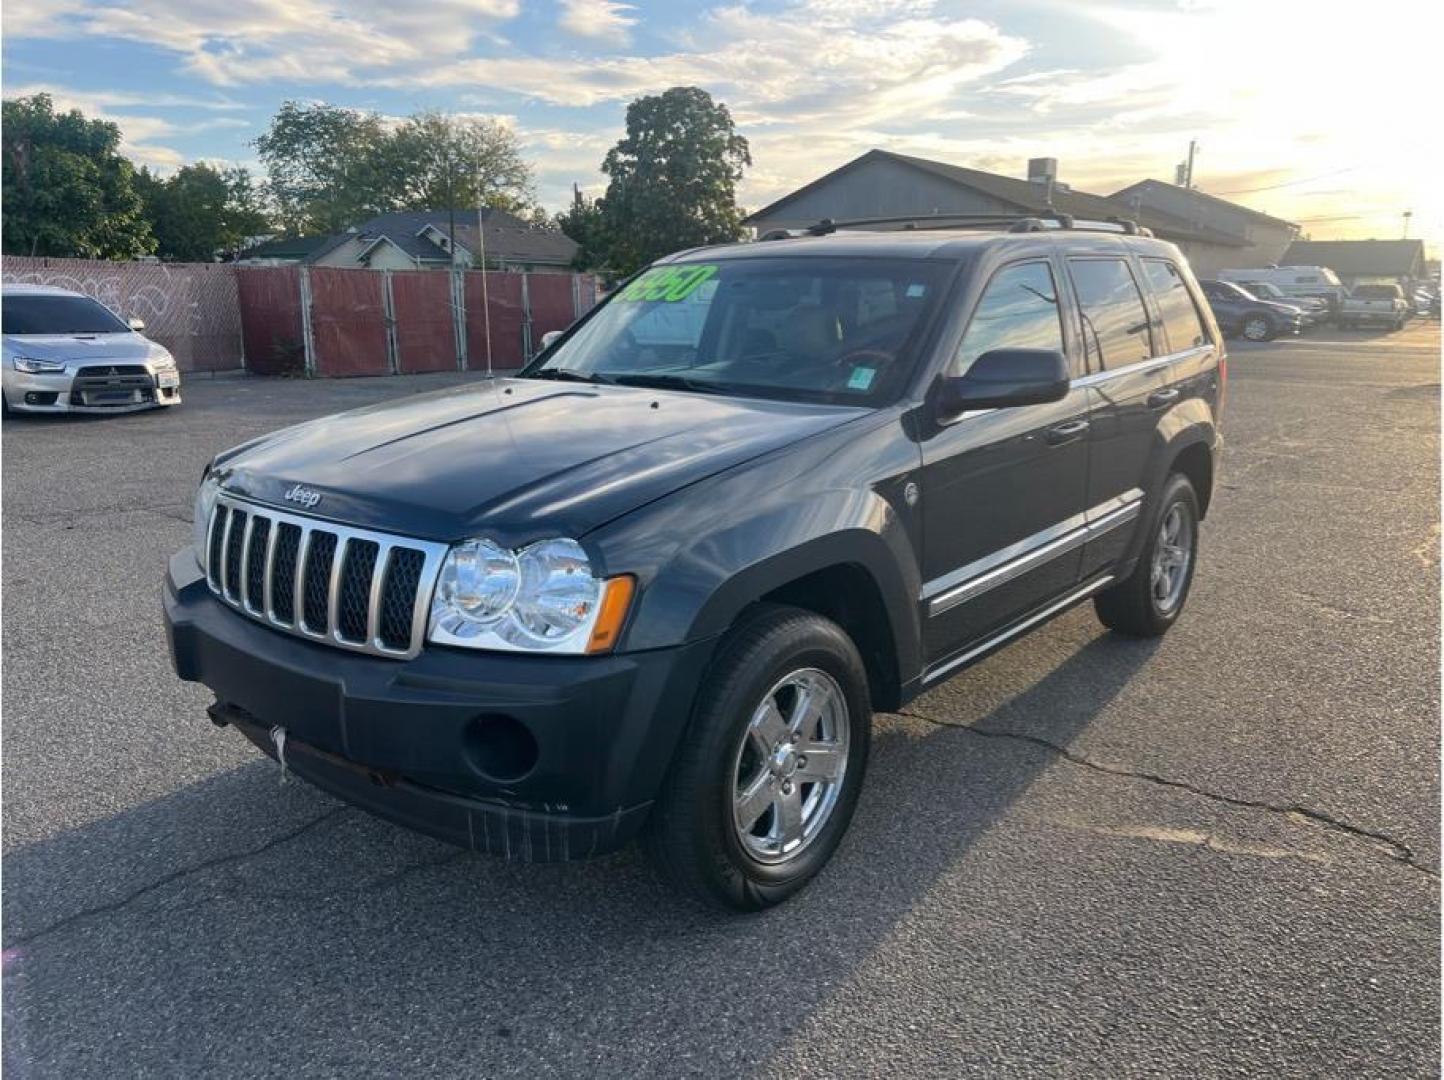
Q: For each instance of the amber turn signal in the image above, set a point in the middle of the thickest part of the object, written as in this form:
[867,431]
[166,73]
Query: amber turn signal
[616,599]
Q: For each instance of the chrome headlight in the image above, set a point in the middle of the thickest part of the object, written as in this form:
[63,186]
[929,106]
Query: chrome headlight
[542,598]
[201,514]
[33,366]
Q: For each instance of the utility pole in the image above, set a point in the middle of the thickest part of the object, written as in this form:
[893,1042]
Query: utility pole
[1407,215]
[1188,169]
[451,204]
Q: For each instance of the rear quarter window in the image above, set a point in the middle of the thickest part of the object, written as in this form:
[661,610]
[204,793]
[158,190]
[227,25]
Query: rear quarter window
[1182,323]
[1115,322]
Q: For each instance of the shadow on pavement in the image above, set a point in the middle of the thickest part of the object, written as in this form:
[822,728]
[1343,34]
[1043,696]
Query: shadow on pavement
[308,938]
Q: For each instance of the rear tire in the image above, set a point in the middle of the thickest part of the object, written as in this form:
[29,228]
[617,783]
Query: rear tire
[744,818]
[1150,599]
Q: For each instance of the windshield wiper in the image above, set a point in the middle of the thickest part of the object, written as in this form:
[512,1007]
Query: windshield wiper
[661,381]
[568,375]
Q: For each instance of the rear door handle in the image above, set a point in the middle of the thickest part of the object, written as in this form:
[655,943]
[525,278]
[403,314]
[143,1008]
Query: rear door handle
[1065,433]
[1159,398]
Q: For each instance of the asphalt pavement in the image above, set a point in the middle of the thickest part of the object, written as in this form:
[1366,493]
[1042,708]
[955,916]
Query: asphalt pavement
[1215,854]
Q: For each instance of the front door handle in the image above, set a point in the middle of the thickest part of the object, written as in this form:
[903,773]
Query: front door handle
[1065,433]
[1159,398]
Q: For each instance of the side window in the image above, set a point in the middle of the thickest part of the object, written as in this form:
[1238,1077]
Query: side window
[1181,324]
[1115,322]
[1018,310]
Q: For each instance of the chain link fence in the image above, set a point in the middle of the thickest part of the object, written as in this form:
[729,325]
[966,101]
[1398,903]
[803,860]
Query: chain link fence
[190,308]
[295,320]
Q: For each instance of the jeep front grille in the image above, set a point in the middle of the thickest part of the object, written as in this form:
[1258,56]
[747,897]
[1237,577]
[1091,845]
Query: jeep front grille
[351,588]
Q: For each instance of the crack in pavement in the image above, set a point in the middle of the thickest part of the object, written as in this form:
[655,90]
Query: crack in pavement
[1396,849]
[175,875]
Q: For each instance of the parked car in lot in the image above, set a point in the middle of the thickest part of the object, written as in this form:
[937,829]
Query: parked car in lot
[657,584]
[66,353]
[1315,309]
[1318,282]
[1241,314]
[1375,305]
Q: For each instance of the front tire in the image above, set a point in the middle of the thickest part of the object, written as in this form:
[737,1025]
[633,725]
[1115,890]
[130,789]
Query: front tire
[1259,328]
[768,773]
[1149,600]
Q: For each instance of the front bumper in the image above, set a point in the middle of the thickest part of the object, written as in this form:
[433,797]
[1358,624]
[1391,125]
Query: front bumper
[411,741]
[62,392]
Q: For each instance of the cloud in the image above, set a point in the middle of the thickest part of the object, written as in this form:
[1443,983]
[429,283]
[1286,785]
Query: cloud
[307,41]
[606,20]
[783,67]
[142,138]
[107,99]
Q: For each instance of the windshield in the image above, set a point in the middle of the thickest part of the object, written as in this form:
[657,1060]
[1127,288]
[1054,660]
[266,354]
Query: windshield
[58,315]
[1378,292]
[1227,290]
[829,330]
[1264,290]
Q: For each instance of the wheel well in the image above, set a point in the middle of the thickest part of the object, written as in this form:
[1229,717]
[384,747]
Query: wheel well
[1196,463]
[848,595]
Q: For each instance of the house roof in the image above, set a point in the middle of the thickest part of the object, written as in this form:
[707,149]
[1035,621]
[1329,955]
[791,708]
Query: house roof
[1203,198]
[508,238]
[285,247]
[1023,194]
[1359,258]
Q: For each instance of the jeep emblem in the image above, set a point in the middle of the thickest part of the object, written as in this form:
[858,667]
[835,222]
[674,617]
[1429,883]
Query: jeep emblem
[303,495]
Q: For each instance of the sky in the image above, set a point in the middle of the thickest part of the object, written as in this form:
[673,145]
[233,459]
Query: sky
[1323,113]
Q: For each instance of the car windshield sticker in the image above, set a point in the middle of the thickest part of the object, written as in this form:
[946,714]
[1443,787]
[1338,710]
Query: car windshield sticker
[916,290]
[861,378]
[667,283]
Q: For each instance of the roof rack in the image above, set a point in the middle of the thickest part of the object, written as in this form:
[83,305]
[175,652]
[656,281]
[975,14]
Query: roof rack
[1039,221]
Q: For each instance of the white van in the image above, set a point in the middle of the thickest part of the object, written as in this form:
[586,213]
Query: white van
[1301,281]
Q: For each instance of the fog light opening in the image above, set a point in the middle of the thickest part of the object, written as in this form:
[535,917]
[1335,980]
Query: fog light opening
[501,747]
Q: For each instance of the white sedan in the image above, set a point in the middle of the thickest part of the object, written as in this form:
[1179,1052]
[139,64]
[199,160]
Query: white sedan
[64,353]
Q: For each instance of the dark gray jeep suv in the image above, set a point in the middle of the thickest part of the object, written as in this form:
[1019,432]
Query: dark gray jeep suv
[658,583]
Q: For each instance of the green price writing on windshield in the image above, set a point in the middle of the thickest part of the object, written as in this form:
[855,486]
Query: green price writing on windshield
[669,283]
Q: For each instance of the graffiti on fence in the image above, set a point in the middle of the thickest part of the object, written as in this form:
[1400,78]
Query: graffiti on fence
[189,308]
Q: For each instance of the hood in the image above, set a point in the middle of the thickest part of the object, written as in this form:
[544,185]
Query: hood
[80,348]
[514,458]
[1282,308]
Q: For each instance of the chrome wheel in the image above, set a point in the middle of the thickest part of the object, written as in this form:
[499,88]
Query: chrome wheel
[1172,556]
[789,767]
[1256,328]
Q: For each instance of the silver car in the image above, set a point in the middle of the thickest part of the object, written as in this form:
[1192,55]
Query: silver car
[64,353]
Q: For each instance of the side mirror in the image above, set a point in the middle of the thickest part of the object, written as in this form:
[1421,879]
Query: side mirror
[550,338]
[1005,378]
[135,324]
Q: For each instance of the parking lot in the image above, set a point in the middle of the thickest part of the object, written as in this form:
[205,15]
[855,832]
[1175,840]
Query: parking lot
[1214,854]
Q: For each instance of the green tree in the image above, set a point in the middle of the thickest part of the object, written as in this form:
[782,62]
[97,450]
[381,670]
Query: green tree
[67,190]
[201,211]
[434,160]
[583,222]
[326,165]
[673,178]
[331,167]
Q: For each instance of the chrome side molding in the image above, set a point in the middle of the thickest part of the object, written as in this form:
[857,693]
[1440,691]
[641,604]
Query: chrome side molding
[972,580]
[1013,631]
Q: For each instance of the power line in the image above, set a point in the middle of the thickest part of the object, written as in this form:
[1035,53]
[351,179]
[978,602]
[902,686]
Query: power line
[1288,183]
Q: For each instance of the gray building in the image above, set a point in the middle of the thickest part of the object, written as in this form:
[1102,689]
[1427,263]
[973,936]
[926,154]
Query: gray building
[1362,261]
[884,184]
[1261,239]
